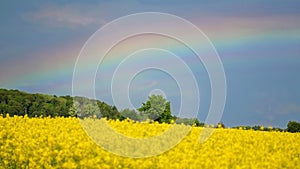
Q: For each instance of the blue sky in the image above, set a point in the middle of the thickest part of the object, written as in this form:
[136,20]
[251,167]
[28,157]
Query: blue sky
[257,41]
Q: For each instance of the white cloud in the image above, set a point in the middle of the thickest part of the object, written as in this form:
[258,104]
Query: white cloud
[67,16]
[73,15]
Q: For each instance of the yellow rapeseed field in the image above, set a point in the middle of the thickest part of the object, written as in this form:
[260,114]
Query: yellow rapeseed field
[62,143]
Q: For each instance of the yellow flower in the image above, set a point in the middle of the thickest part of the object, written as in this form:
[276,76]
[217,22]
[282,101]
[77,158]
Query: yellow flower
[62,143]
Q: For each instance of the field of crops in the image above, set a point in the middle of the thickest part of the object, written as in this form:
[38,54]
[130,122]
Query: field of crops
[62,143]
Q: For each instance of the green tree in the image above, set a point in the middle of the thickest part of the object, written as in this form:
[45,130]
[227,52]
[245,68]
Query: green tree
[293,127]
[156,108]
[20,103]
[131,114]
[166,116]
[74,109]
[3,108]
[15,108]
[91,109]
[145,106]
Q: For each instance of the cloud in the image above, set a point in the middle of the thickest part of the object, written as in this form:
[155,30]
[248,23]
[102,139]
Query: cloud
[66,16]
[148,85]
[79,14]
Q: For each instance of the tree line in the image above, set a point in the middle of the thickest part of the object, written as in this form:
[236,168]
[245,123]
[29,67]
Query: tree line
[292,126]
[15,102]
[156,108]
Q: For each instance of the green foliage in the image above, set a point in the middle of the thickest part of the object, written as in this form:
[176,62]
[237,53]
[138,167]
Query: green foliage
[131,114]
[15,102]
[293,127]
[166,116]
[145,106]
[153,107]
[156,108]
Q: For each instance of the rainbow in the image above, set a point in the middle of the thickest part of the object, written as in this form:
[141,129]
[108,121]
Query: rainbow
[58,64]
